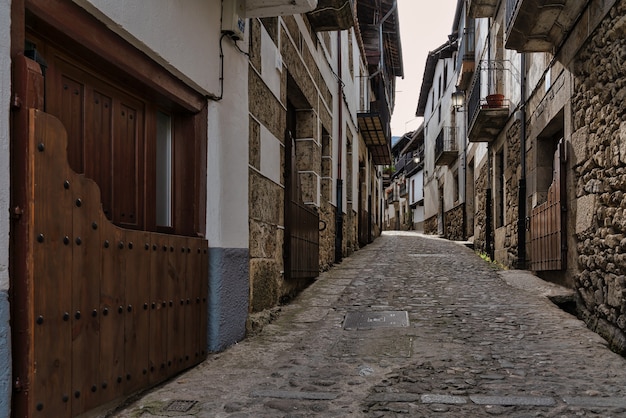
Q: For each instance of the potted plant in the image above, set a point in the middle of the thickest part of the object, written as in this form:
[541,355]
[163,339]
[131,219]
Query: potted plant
[495,100]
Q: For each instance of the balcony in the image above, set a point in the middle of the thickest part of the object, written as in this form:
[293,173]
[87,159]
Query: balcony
[403,189]
[331,15]
[488,109]
[539,25]
[374,126]
[265,8]
[416,163]
[446,148]
[482,8]
[465,58]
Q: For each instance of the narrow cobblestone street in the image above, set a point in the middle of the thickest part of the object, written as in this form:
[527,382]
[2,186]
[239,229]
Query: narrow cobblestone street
[474,346]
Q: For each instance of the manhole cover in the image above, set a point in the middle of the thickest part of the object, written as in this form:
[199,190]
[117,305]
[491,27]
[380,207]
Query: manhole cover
[371,320]
[179,406]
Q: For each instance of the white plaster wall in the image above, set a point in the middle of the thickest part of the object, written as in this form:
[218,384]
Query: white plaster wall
[270,155]
[431,198]
[227,160]
[5,98]
[182,35]
[271,63]
[418,193]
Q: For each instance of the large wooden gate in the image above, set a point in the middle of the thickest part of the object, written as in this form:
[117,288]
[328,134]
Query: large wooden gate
[98,312]
[547,228]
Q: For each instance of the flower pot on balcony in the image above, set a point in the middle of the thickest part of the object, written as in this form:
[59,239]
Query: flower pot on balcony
[495,100]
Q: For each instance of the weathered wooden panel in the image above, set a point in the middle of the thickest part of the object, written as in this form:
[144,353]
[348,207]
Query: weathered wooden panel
[51,379]
[137,315]
[84,239]
[158,308]
[98,141]
[177,271]
[112,301]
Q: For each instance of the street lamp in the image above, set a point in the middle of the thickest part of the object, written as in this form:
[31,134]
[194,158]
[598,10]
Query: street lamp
[458,100]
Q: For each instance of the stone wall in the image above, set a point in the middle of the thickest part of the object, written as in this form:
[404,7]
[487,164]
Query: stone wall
[327,235]
[480,216]
[430,225]
[599,151]
[512,174]
[267,195]
[455,224]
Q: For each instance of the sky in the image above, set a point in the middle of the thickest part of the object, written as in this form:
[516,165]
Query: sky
[424,25]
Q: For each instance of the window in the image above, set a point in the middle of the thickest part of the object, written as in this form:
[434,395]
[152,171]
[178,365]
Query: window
[144,149]
[440,87]
[500,189]
[455,185]
[163,170]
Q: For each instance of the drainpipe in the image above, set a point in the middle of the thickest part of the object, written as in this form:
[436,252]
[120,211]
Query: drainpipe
[339,214]
[521,221]
[488,208]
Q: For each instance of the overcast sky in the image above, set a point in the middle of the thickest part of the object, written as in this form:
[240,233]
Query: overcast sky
[424,25]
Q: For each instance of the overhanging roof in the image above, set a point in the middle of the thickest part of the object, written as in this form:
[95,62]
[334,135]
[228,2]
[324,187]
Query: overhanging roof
[416,141]
[444,51]
[374,134]
[370,13]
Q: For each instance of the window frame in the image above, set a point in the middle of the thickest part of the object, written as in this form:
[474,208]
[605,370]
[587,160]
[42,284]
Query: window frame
[88,44]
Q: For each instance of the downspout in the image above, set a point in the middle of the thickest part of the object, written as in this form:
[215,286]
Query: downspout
[488,208]
[488,204]
[339,214]
[521,221]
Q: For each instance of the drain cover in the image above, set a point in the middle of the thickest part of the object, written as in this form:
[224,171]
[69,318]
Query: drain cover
[179,406]
[371,320]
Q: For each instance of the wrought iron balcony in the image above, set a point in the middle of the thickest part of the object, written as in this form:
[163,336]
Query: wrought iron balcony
[488,108]
[465,57]
[375,128]
[482,8]
[264,8]
[539,25]
[403,189]
[446,148]
[331,15]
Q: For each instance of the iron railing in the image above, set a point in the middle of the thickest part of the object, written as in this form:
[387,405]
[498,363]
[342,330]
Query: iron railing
[446,141]
[511,8]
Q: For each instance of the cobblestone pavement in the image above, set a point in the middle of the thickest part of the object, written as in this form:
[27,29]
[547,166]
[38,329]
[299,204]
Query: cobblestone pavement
[475,346]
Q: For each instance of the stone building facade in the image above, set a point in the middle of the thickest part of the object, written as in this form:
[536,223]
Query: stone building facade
[598,153]
[306,92]
[546,168]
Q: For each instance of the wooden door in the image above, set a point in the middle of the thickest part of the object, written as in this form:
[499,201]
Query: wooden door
[99,311]
[548,222]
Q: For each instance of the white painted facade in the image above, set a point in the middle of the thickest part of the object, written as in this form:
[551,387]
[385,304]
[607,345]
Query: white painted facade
[439,115]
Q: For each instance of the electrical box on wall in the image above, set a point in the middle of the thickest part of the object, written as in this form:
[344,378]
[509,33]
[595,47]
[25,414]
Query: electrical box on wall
[234,18]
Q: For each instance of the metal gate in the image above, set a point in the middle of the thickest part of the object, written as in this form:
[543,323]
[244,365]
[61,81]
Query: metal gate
[301,249]
[547,228]
[98,312]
